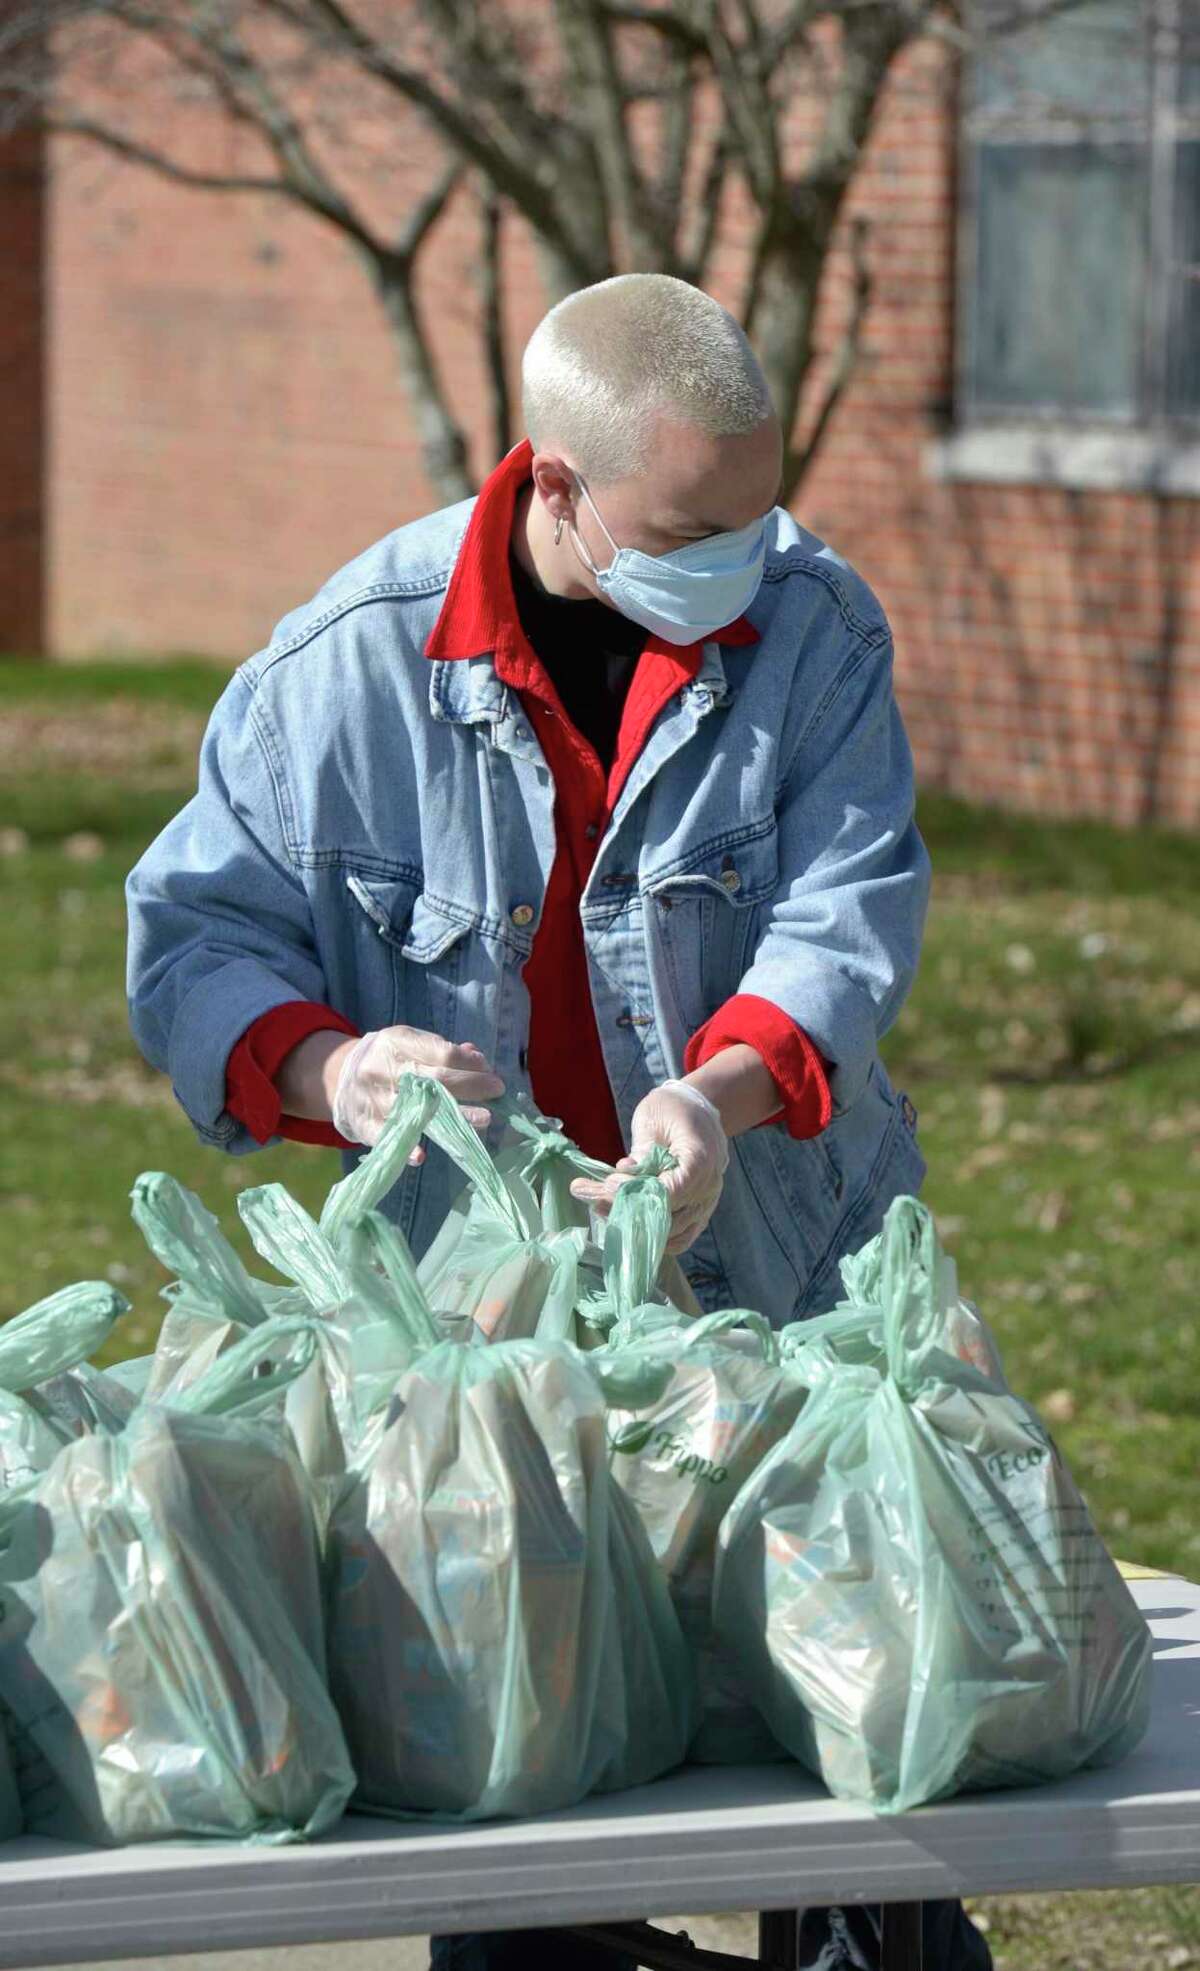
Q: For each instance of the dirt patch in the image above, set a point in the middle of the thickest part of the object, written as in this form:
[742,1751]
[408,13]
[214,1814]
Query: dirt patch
[126,1084]
[112,738]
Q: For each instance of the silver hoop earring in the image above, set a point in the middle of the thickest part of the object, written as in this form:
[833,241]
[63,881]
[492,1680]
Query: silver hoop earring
[558,527]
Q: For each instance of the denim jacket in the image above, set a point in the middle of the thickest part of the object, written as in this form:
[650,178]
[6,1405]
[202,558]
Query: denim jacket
[371,825]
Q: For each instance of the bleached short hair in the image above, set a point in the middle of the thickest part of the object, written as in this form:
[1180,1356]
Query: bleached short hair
[609,358]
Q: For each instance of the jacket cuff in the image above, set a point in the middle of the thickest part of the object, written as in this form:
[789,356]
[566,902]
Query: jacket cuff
[798,1070]
[250,1091]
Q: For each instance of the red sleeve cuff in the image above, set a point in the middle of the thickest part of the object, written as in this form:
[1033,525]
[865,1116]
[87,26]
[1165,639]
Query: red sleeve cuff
[798,1070]
[250,1092]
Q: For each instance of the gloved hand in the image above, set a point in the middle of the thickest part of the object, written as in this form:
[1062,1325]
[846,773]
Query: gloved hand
[366,1083]
[677,1114]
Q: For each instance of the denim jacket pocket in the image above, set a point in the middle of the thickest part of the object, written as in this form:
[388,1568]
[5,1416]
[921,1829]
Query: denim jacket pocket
[423,944]
[875,1146]
[706,917]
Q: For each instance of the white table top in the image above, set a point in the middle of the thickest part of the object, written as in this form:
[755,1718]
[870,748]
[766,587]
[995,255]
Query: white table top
[745,1838]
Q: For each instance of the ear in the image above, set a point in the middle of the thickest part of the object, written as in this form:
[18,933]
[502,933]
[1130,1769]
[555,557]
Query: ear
[556,484]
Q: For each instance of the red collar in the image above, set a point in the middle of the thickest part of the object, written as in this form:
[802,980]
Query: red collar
[480,614]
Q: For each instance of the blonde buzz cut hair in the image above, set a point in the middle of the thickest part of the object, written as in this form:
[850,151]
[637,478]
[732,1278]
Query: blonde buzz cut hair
[607,360]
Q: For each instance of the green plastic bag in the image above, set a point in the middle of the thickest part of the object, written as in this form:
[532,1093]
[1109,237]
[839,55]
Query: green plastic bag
[83,1399]
[369,1332]
[161,1633]
[911,1580]
[494,1272]
[547,1160]
[500,1639]
[681,1459]
[37,1349]
[681,1462]
[212,1303]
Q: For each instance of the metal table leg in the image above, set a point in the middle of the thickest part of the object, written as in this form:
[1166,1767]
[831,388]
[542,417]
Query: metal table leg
[779,1938]
[900,1947]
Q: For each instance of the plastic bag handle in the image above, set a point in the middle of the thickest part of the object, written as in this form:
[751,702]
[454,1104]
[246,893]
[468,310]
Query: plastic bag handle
[635,1239]
[915,1279]
[387,1244]
[448,1127]
[57,1333]
[733,1317]
[183,1234]
[232,1382]
[360,1191]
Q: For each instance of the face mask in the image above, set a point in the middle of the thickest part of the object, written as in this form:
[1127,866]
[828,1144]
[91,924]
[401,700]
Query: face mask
[685,595]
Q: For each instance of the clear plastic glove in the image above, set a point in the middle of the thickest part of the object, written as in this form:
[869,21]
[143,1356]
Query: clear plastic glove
[366,1083]
[677,1114]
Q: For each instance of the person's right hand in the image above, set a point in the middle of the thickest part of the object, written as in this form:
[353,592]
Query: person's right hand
[369,1069]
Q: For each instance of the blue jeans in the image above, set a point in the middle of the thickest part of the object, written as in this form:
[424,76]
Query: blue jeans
[839,1939]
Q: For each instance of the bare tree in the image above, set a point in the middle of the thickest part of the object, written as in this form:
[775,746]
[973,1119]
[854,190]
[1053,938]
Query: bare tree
[581,116]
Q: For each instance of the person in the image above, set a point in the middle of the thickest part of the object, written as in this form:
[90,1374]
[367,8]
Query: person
[594,786]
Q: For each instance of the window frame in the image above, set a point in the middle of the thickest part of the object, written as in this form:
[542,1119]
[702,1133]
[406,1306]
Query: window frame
[1164,123]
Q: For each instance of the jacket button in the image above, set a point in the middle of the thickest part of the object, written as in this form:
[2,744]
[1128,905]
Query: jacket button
[730,879]
[522,914]
[591,831]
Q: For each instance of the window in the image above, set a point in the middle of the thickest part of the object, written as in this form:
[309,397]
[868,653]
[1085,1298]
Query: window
[1079,245]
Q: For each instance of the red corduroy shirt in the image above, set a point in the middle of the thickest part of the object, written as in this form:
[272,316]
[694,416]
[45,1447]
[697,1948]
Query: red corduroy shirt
[564,1057]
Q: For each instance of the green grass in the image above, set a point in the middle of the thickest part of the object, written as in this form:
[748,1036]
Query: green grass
[1051,1045]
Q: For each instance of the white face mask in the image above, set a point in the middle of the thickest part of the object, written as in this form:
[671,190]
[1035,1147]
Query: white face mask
[685,595]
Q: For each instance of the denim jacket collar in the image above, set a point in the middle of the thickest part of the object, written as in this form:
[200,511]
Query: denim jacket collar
[476,622]
[468,691]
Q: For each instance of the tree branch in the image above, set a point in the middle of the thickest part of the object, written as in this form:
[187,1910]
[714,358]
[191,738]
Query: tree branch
[694,256]
[491,296]
[749,111]
[224,64]
[844,364]
[664,20]
[113,140]
[587,43]
[524,183]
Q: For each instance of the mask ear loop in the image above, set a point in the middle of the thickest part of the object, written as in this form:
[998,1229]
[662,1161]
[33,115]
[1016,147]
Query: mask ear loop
[589,564]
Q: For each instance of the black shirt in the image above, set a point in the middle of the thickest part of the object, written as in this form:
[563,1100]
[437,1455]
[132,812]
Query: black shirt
[589,651]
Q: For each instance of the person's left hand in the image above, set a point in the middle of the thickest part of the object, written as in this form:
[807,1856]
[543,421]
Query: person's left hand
[679,1116]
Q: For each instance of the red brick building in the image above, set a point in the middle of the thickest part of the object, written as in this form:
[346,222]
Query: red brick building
[202,412]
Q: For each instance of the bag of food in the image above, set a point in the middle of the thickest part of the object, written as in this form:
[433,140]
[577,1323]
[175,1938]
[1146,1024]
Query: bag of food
[681,1461]
[911,1580]
[212,1303]
[494,1272]
[500,1640]
[37,1349]
[161,1636]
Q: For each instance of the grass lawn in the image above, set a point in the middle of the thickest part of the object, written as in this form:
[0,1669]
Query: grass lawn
[1051,1046]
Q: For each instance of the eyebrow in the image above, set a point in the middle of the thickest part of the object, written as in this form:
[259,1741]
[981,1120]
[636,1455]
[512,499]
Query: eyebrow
[719,526]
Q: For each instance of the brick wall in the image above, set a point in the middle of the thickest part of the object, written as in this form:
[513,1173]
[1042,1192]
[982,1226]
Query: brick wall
[23,435]
[227,426]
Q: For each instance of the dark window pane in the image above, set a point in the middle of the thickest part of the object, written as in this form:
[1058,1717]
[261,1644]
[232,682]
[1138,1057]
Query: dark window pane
[1090,57]
[1061,248]
[1183,355]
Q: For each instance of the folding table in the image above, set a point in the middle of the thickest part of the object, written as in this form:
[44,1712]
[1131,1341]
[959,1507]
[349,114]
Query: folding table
[703,1839]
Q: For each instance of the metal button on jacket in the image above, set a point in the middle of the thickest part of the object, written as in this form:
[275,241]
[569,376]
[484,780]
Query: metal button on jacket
[522,914]
[731,879]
